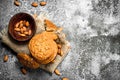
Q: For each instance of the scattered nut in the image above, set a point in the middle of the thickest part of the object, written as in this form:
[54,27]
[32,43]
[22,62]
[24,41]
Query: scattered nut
[23,70]
[43,3]
[57,72]
[61,53]
[29,32]
[21,25]
[22,35]
[17,29]
[65,78]
[24,22]
[21,22]
[26,32]
[24,28]
[17,25]
[27,24]
[21,30]
[5,59]
[34,4]
[59,46]
[17,3]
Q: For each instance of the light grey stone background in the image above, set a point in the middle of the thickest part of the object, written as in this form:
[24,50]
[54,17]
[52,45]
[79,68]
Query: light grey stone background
[91,26]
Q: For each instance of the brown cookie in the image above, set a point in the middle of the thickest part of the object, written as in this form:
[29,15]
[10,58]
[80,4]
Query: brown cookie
[50,26]
[51,58]
[42,47]
[27,61]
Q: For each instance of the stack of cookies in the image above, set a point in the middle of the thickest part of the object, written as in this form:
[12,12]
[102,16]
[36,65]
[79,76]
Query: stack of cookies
[43,47]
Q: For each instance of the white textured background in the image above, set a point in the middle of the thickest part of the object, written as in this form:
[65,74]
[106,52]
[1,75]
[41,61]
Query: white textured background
[91,26]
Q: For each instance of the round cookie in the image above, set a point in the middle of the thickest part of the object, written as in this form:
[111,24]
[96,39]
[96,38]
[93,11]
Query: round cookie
[38,46]
[51,58]
[27,61]
[42,50]
[42,46]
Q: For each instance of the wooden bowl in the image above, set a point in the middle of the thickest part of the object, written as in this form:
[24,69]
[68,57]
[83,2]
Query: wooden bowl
[17,18]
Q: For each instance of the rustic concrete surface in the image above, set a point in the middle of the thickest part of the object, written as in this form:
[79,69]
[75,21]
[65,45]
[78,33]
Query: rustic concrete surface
[91,26]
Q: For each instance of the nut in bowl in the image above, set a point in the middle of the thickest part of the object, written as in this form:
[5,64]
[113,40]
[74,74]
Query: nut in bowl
[22,27]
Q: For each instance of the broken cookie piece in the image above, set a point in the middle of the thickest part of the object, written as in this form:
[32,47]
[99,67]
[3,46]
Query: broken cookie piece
[50,26]
[27,61]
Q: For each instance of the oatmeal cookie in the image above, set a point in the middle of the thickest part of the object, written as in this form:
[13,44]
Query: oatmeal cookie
[27,61]
[43,47]
[49,59]
[50,26]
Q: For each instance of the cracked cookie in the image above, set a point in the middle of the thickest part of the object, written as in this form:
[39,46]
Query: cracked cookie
[43,48]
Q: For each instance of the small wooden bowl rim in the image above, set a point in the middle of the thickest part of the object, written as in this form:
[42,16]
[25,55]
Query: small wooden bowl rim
[11,33]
